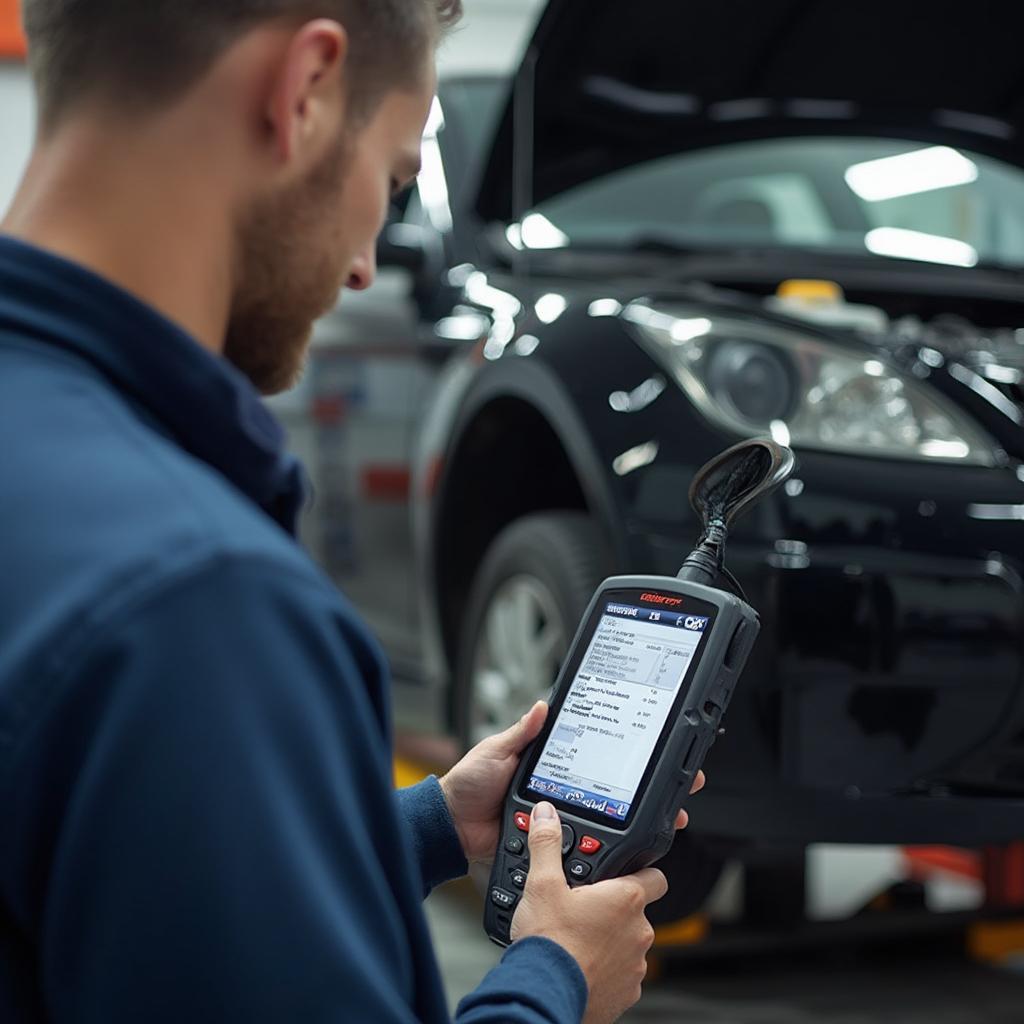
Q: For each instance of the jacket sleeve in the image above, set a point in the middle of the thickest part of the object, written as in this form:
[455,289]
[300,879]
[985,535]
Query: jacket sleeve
[228,846]
[435,842]
[537,980]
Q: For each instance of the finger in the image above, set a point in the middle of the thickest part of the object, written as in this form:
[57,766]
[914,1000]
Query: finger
[545,841]
[699,783]
[653,883]
[682,820]
[516,737]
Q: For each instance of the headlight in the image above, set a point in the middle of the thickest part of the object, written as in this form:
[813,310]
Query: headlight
[746,377]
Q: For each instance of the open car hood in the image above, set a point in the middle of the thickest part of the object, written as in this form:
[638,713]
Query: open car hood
[616,84]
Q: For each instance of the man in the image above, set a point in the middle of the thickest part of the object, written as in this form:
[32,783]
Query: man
[197,817]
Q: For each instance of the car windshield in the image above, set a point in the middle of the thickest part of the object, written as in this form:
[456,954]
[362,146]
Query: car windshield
[848,195]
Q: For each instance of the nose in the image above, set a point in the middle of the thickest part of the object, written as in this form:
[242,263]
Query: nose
[363,270]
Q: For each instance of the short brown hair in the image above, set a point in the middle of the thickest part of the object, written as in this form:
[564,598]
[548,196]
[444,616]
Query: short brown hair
[146,52]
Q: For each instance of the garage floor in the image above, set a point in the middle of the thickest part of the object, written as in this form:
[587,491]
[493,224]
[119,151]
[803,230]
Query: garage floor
[913,984]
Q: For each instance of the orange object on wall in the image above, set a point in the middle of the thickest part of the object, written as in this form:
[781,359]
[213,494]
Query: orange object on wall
[12,40]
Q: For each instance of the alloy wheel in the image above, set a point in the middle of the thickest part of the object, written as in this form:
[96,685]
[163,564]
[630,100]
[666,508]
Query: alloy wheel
[519,651]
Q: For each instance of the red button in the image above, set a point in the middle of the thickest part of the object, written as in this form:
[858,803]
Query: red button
[522,820]
[588,845]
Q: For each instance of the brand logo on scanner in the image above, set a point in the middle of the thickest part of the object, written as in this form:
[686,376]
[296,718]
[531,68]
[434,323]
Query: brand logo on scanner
[661,599]
[623,609]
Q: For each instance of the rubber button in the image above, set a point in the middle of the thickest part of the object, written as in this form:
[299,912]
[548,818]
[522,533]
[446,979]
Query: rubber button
[503,898]
[514,845]
[589,845]
[578,869]
[518,876]
[522,820]
[568,838]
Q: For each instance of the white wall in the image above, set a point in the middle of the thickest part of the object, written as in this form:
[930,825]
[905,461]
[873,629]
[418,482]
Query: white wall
[491,38]
[16,118]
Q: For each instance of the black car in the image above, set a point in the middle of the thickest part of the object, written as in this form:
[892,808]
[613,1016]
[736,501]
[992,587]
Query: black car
[680,225]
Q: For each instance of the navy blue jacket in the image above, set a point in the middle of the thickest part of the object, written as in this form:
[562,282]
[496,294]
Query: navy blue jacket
[196,815]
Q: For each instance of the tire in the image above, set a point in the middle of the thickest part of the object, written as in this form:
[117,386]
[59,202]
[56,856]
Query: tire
[692,868]
[531,590]
[556,559]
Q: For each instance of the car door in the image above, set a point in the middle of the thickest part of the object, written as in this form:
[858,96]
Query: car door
[358,421]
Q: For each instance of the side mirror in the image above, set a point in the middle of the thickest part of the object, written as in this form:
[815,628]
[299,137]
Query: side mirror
[402,245]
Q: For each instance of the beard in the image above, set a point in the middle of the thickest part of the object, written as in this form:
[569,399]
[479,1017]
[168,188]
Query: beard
[290,272]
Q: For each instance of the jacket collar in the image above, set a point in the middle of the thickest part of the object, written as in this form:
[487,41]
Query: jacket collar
[202,402]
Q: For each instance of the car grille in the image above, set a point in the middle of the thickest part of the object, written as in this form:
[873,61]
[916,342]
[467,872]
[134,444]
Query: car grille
[999,771]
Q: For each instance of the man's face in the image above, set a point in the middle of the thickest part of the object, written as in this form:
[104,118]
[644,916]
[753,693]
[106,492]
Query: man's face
[299,248]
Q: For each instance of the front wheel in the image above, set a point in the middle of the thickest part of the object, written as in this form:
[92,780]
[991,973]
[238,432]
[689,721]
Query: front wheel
[526,601]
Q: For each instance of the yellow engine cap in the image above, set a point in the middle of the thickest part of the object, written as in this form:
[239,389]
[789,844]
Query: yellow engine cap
[818,292]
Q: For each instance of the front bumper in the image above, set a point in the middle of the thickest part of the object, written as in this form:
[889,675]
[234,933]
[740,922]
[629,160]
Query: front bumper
[884,700]
[798,816]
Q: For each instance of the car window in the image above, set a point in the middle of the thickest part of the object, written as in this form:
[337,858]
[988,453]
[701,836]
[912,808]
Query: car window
[471,108]
[894,198]
[454,147]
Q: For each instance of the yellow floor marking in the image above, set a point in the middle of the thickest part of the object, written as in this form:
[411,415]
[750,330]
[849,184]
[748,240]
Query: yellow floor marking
[408,774]
[687,932]
[993,941]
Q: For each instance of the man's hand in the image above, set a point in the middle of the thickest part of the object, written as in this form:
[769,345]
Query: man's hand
[602,925]
[475,788]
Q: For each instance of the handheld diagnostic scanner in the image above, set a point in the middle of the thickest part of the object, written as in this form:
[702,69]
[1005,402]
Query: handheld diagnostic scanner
[639,700]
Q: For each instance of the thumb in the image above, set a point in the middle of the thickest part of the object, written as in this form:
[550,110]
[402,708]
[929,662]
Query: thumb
[516,737]
[545,840]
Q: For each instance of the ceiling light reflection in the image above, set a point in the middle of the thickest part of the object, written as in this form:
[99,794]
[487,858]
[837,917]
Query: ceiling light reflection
[640,397]
[636,458]
[936,449]
[537,232]
[740,110]
[605,307]
[433,186]
[527,345]
[478,290]
[780,433]
[916,245]
[463,327]
[976,124]
[550,307]
[909,174]
[641,101]
[996,512]
[435,119]
[989,392]
[683,331]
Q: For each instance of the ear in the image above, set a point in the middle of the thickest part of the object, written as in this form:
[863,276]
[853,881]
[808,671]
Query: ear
[305,105]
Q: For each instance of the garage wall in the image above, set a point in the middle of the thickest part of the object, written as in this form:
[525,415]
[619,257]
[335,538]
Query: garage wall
[492,36]
[16,117]
[490,39]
